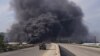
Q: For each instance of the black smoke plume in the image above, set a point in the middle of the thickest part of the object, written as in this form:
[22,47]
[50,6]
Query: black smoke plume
[46,20]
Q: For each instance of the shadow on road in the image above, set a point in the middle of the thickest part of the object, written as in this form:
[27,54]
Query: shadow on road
[65,52]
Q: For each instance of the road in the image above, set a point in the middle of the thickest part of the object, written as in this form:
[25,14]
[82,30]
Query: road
[77,50]
[33,51]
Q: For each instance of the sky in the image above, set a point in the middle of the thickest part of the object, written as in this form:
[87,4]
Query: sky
[6,15]
[91,10]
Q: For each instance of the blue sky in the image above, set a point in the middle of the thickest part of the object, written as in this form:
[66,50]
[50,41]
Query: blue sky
[91,9]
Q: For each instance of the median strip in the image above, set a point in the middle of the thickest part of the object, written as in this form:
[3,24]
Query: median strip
[52,51]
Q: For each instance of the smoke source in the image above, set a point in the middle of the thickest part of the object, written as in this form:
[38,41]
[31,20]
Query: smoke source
[46,20]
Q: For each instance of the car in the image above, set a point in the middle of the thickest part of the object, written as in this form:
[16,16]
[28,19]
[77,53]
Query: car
[42,46]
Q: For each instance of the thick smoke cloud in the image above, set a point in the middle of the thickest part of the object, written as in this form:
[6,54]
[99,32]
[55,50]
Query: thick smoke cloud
[45,19]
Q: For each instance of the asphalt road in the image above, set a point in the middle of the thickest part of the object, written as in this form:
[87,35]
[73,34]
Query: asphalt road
[33,51]
[77,50]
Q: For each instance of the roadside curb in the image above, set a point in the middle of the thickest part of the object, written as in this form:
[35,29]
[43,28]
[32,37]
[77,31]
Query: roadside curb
[54,50]
[57,50]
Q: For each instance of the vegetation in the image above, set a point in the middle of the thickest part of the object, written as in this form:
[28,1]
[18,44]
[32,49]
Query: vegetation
[2,45]
[6,47]
[1,38]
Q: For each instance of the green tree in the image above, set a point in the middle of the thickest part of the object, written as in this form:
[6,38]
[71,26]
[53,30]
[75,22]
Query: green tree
[2,45]
[1,38]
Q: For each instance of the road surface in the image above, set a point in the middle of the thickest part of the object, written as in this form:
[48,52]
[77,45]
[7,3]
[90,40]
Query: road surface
[77,50]
[33,51]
